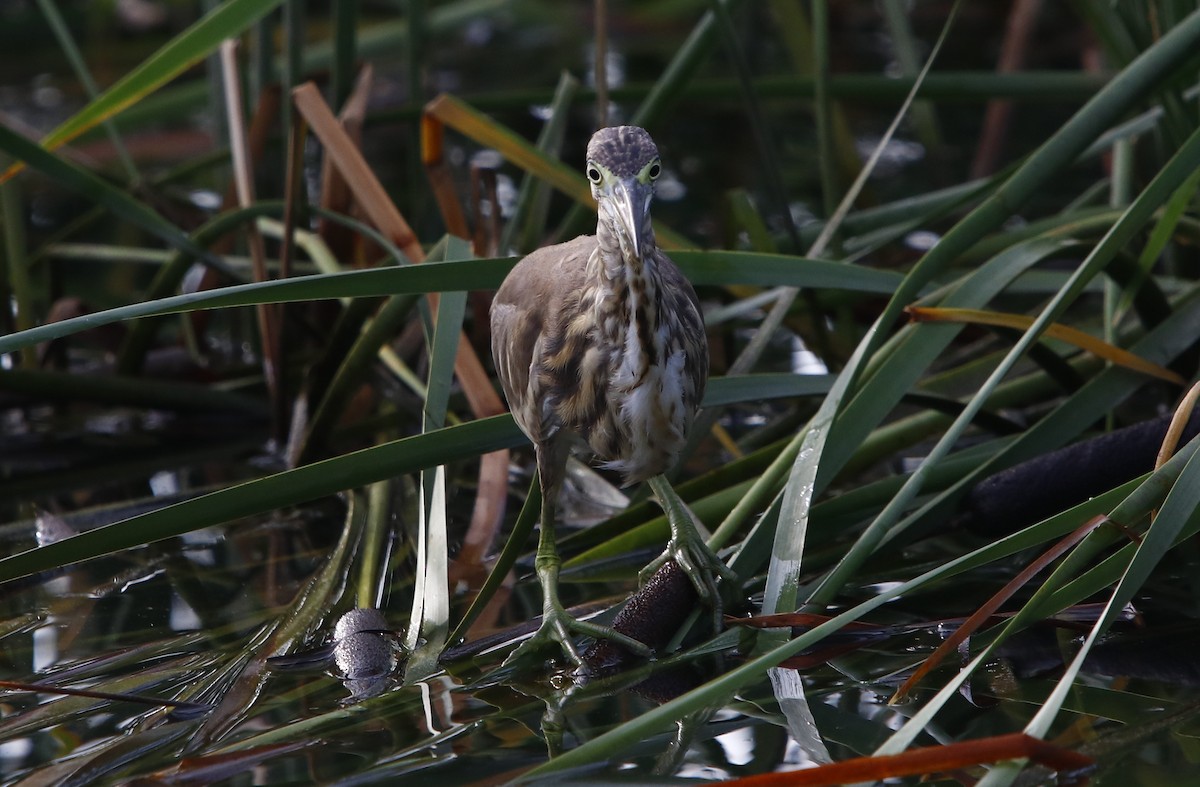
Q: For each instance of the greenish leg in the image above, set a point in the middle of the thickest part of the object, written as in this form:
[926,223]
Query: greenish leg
[557,624]
[687,547]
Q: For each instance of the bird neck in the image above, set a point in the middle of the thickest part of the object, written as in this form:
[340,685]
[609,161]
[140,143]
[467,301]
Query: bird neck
[614,244]
[616,267]
[625,292]
[625,281]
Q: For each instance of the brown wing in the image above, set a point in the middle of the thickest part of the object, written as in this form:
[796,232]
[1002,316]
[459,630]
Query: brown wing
[527,307]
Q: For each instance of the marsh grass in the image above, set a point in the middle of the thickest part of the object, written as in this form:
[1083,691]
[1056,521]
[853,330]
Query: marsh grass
[345,445]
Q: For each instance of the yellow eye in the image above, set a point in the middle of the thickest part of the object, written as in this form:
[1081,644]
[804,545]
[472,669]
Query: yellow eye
[654,171]
[593,174]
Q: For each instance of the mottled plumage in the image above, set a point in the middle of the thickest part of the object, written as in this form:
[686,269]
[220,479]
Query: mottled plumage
[599,341]
[586,347]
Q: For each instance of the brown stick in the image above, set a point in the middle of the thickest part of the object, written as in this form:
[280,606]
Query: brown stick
[1021,21]
[382,212]
[985,612]
[243,173]
[335,192]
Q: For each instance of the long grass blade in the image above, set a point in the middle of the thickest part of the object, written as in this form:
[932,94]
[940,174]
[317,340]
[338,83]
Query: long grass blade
[431,592]
[1132,220]
[1126,503]
[1062,148]
[1065,333]
[451,276]
[66,43]
[718,689]
[289,487]
[782,586]
[92,187]
[228,20]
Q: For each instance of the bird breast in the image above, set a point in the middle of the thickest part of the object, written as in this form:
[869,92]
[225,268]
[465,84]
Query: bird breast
[613,355]
[650,396]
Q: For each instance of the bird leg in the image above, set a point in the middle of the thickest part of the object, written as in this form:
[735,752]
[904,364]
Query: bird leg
[687,548]
[557,624]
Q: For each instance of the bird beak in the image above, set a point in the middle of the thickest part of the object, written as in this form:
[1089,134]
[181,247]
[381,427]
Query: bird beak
[629,208]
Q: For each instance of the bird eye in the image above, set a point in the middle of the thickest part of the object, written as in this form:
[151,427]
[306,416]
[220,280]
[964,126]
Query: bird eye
[655,170]
[593,175]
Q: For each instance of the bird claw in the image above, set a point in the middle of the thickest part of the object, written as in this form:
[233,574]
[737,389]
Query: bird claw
[688,549]
[556,630]
[702,566]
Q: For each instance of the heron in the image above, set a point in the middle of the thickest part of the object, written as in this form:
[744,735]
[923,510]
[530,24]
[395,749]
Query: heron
[599,342]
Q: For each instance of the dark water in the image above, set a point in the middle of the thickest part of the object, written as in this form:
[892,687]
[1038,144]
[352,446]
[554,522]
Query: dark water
[195,618]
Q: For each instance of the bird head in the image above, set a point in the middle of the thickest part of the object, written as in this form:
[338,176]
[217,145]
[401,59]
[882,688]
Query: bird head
[622,165]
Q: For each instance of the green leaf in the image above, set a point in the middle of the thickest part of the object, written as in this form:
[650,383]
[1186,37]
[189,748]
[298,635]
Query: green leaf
[714,268]
[227,20]
[98,190]
[290,487]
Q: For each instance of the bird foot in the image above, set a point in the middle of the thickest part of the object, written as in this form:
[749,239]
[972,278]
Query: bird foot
[555,633]
[688,550]
[702,566]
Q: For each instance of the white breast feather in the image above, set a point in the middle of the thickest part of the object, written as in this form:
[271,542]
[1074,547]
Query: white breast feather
[646,410]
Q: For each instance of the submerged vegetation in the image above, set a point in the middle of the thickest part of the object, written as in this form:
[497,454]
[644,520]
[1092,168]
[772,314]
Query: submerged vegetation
[947,258]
